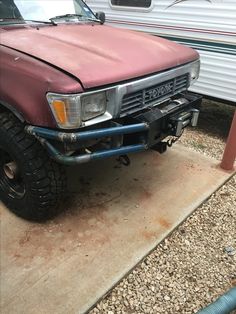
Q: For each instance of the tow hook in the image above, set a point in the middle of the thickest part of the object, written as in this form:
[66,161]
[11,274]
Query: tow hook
[171,141]
[162,146]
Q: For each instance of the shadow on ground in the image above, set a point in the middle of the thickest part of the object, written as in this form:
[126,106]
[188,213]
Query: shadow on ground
[215,118]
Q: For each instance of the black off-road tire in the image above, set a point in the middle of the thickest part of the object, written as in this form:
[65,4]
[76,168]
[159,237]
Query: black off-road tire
[38,189]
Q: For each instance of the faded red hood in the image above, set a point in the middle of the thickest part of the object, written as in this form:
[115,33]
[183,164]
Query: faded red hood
[98,55]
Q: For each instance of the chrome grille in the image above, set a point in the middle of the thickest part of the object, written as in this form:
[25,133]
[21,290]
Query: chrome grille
[139,100]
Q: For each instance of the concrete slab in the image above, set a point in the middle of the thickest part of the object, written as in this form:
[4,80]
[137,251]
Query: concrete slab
[116,217]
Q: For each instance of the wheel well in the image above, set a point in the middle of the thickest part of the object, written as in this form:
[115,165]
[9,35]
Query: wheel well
[4,107]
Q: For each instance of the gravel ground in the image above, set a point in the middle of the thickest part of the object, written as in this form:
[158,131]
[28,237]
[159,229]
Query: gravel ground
[197,262]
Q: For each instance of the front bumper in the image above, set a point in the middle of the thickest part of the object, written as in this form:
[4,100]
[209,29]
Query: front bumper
[137,133]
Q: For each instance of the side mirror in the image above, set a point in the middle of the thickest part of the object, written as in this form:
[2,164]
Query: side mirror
[101,16]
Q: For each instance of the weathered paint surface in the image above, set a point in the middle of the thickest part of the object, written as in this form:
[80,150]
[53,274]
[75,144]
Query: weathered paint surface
[115,216]
[97,54]
[24,82]
[70,58]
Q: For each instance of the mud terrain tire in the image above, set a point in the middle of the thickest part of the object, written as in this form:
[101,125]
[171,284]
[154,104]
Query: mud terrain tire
[31,184]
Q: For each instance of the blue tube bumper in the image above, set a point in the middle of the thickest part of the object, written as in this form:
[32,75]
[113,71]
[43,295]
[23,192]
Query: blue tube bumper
[71,160]
[135,133]
[86,135]
[43,135]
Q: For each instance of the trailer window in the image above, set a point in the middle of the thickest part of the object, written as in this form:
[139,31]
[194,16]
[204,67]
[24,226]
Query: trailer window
[132,3]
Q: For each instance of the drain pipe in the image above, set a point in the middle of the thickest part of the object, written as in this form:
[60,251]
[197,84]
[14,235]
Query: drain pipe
[223,305]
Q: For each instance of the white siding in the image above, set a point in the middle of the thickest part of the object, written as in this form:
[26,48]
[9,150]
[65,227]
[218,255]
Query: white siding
[217,76]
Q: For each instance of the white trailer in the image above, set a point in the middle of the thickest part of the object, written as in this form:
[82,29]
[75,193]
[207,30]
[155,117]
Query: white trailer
[209,26]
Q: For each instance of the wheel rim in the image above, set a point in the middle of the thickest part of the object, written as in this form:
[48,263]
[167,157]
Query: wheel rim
[11,181]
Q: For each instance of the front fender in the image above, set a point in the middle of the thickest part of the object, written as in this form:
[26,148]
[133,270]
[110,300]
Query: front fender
[24,82]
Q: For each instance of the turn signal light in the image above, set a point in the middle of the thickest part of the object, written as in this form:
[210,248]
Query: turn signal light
[60,111]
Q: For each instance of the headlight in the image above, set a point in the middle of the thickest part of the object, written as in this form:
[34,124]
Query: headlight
[70,111]
[93,105]
[194,74]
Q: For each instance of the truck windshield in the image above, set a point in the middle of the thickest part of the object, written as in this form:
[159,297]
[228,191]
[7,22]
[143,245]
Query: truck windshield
[18,11]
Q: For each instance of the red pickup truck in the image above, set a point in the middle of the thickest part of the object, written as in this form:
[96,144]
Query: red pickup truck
[73,90]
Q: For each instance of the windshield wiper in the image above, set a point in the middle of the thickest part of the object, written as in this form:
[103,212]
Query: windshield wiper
[44,22]
[65,16]
[23,20]
[74,15]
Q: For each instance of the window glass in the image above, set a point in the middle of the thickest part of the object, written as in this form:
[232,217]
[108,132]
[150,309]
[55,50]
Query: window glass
[132,3]
[41,9]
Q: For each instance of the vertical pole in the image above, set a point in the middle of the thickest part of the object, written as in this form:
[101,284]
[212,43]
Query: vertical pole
[229,156]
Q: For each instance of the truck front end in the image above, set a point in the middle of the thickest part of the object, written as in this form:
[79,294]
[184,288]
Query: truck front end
[150,112]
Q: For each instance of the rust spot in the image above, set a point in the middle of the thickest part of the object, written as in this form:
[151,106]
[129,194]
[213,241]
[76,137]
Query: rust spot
[145,195]
[25,238]
[149,234]
[164,223]
[17,255]
[87,225]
